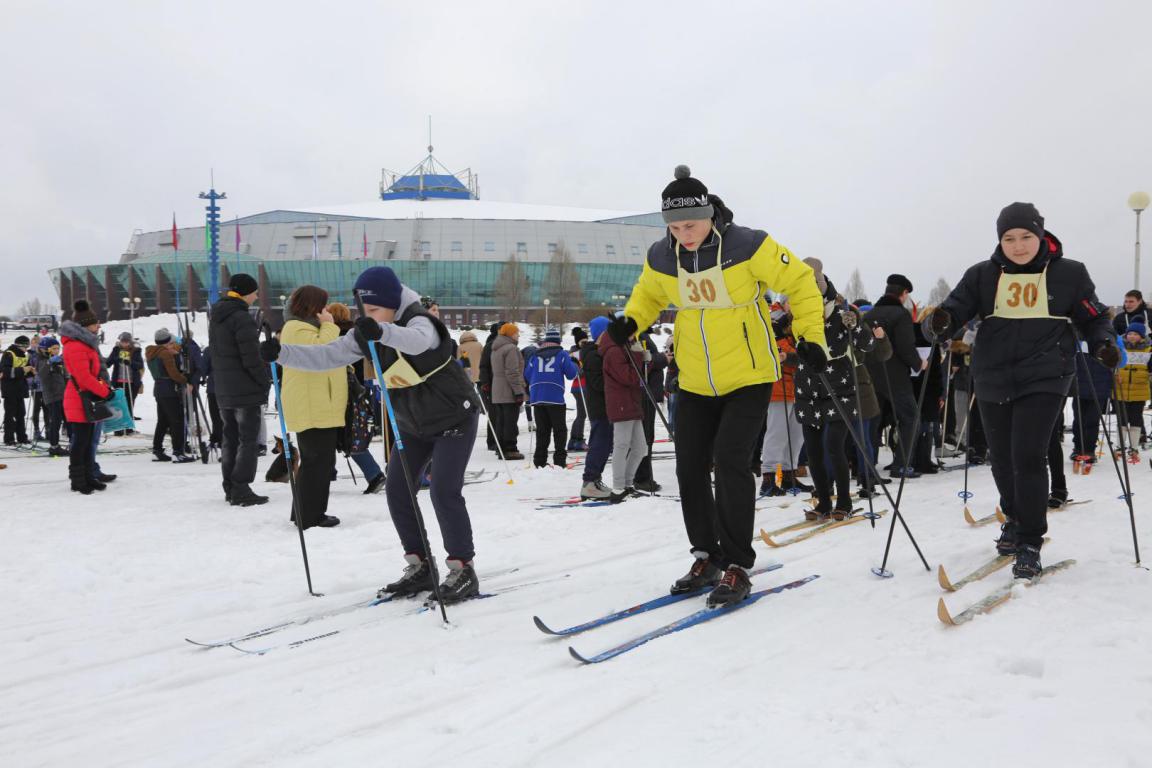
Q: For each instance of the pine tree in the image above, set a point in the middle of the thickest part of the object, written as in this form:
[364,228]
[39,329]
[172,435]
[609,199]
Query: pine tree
[939,292]
[854,288]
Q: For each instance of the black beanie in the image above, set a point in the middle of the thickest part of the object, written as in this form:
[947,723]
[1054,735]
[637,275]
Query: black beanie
[82,313]
[243,284]
[1020,216]
[579,334]
[899,281]
[685,198]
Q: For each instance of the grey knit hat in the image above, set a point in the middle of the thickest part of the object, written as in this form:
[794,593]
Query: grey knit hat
[163,336]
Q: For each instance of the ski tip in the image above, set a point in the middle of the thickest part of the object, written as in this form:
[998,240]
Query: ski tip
[199,644]
[1000,516]
[767,539]
[943,615]
[540,625]
[968,518]
[883,573]
[246,651]
[576,655]
[942,578]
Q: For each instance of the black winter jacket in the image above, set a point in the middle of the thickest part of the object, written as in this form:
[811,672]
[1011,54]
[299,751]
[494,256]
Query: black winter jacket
[241,377]
[594,382]
[1125,319]
[13,378]
[1013,358]
[894,373]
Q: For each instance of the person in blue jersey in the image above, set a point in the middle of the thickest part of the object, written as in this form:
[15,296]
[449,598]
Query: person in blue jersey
[547,372]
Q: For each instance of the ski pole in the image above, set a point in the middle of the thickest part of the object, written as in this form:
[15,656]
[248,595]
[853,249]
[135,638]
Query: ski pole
[966,494]
[1124,487]
[496,438]
[883,571]
[404,464]
[651,397]
[896,515]
[864,459]
[291,475]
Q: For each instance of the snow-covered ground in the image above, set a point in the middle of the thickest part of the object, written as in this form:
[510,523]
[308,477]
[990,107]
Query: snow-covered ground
[851,670]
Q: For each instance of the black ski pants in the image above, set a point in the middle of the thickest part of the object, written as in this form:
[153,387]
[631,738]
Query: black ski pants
[505,418]
[551,425]
[217,420]
[1018,433]
[37,407]
[898,393]
[53,418]
[238,451]
[720,432]
[828,443]
[1085,427]
[82,453]
[314,478]
[169,420]
[15,410]
[1057,480]
[581,416]
[450,451]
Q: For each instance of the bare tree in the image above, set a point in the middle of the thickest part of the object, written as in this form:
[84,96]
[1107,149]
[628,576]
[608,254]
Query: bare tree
[854,289]
[563,287]
[512,287]
[939,292]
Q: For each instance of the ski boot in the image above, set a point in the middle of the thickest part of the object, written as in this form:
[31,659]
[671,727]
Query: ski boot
[594,490]
[703,573]
[840,513]
[620,494]
[242,495]
[1077,464]
[820,512]
[790,484]
[734,586]
[1027,564]
[1087,464]
[1133,456]
[1057,498]
[460,583]
[1007,544]
[648,487]
[769,488]
[417,577]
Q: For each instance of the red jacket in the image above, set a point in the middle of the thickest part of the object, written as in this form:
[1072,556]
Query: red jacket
[623,396]
[84,366]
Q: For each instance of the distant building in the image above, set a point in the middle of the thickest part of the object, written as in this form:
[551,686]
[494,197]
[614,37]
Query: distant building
[479,259]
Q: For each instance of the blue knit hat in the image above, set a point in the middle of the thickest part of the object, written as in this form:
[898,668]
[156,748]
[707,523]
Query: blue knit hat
[1139,328]
[552,335]
[47,342]
[379,287]
[597,327]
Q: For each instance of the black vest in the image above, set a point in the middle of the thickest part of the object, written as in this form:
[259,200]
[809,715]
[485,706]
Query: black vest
[446,399]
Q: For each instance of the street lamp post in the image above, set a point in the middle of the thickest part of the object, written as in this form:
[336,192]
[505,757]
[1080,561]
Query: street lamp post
[546,303]
[1137,201]
[132,305]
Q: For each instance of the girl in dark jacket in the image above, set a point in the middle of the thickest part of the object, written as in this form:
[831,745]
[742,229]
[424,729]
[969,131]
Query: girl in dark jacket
[825,433]
[1034,303]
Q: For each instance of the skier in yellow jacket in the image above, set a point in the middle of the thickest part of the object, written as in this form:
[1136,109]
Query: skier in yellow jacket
[718,275]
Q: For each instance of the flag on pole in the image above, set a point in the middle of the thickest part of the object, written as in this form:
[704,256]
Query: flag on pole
[175,234]
[315,244]
[339,244]
[365,242]
[237,234]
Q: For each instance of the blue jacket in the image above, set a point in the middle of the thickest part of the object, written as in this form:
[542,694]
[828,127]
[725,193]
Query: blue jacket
[546,371]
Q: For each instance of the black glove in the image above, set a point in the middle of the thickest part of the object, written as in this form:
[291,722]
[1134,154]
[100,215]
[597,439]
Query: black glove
[369,329]
[270,349]
[1108,354]
[811,354]
[621,328]
[936,324]
[519,399]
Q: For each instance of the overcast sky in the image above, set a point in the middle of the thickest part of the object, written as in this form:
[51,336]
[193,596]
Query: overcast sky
[884,136]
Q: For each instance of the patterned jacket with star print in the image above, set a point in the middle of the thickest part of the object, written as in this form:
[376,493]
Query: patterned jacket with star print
[814,406]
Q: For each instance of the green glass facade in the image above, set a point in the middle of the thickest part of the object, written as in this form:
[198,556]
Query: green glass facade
[179,281]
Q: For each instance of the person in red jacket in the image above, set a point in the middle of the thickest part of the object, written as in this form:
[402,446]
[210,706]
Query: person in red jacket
[622,398]
[86,373]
